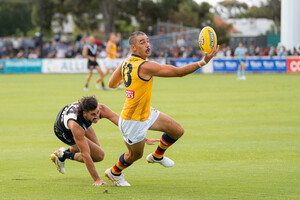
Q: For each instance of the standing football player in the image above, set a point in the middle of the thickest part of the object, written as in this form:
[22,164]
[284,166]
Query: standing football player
[240,53]
[111,51]
[90,51]
[137,115]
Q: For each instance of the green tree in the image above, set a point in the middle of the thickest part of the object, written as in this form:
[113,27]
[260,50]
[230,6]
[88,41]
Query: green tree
[232,7]
[270,10]
[222,32]
[15,18]
[52,10]
[186,13]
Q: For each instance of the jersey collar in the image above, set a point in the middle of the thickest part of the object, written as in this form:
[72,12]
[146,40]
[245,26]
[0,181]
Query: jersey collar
[137,56]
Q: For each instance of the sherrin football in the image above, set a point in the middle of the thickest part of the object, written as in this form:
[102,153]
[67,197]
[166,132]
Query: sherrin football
[207,39]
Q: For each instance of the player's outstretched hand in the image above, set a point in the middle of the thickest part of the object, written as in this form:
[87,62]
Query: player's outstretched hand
[208,57]
[99,182]
[151,141]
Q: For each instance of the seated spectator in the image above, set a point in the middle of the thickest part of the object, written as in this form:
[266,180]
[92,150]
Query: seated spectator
[228,52]
[295,52]
[33,54]
[70,53]
[21,54]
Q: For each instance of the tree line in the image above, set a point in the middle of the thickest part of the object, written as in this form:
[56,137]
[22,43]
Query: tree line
[22,17]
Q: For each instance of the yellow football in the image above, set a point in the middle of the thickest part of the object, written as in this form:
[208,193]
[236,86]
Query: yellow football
[207,39]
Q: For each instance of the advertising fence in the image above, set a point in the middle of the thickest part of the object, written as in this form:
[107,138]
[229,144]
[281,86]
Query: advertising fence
[293,65]
[21,66]
[253,65]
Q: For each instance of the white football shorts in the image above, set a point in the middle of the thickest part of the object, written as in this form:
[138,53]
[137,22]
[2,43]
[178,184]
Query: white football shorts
[110,63]
[135,131]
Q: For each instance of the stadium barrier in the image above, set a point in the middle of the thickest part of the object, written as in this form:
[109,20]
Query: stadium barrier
[21,66]
[293,65]
[78,65]
[252,65]
[217,65]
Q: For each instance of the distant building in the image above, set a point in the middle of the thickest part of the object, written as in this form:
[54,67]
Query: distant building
[252,32]
[251,26]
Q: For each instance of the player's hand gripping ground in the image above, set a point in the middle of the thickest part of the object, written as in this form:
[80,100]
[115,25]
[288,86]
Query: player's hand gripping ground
[99,182]
[208,57]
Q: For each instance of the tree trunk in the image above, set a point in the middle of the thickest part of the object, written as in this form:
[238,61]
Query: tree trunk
[107,8]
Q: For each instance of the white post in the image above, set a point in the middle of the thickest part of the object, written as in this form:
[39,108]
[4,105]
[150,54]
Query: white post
[290,24]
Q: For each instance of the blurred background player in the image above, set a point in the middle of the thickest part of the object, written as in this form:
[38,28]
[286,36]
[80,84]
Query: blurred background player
[137,115]
[73,126]
[111,52]
[240,53]
[90,51]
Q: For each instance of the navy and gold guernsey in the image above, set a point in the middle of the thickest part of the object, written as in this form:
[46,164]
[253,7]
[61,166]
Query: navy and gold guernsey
[138,90]
[61,128]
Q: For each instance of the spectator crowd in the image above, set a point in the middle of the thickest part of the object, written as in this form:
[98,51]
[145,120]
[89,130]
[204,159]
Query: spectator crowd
[62,47]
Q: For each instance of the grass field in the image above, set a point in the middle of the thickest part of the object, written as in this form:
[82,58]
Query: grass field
[242,139]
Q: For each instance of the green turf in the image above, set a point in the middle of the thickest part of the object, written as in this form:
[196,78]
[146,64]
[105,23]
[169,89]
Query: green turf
[242,139]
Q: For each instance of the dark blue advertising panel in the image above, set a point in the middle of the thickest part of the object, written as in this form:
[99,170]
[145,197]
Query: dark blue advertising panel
[21,66]
[266,65]
[182,62]
[225,65]
[252,65]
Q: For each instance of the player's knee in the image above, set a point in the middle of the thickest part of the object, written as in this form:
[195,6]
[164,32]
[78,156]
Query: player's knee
[99,157]
[180,130]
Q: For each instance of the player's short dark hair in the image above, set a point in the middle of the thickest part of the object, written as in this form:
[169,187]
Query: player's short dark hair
[87,104]
[132,37]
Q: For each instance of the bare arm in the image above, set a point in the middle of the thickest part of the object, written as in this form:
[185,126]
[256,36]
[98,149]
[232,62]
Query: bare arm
[83,146]
[150,69]
[107,113]
[115,79]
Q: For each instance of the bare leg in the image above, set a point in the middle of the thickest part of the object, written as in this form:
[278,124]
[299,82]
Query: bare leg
[172,132]
[89,77]
[101,74]
[168,125]
[134,152]
[97,154]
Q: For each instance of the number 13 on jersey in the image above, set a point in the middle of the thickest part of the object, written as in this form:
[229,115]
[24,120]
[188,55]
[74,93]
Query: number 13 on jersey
[127,69]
